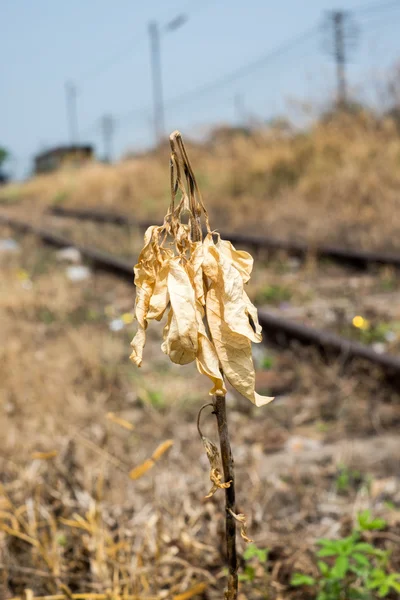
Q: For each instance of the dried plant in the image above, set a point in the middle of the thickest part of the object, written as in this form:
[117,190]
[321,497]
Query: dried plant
[199,279]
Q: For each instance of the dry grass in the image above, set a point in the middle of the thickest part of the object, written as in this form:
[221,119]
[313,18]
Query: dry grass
[337,182]
[72,521]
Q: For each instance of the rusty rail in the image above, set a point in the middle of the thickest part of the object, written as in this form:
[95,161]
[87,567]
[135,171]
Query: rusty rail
[360,259]
[276,328]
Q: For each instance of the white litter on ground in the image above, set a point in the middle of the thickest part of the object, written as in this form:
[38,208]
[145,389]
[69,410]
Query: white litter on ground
[78,273]
[9,245]
[116,325]
[69,254]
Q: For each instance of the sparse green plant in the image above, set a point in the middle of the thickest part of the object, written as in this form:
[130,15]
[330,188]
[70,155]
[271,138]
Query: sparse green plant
[267,362]
[252,557]
[273,294]
[347,479]
[351,568]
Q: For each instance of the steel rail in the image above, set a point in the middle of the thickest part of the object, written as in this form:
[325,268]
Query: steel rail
[277,328]
[357,258]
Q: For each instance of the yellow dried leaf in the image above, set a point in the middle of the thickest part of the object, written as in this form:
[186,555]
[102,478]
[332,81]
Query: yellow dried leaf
[194,591]
[207,359]
[162,449]
[119,421]
[174,345]
[148,464]
[137,344]
[44,455]
[139,471]
[195,271]
[241,518]
[180,333]
[241,260]
[143,297]
[234,352]
[234,302]
[160,297]
[210,258]
[215,472]
[147,271]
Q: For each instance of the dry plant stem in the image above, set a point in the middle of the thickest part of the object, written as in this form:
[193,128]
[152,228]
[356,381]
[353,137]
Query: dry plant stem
[229,475]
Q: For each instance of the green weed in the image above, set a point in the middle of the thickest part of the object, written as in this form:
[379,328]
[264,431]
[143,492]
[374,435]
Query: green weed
[352,569]
[253,557]
[273,294]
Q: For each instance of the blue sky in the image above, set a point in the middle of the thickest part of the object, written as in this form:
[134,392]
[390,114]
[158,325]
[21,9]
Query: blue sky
[104,49]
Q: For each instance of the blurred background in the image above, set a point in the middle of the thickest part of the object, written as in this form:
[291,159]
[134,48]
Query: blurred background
[121,77]
[290,113]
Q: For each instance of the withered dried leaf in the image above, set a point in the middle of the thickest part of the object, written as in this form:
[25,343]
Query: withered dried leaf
[160,297]
[241,518]
[241,260]
[120,421]
[207,359]
[234,352]
[193,274]
[148,464]
[215,470]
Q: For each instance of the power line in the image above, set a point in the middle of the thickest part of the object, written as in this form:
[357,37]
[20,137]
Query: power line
[231,76]
[375,6]
[244,70]
[371,19]
[111,61]
[260,62]
[130,45]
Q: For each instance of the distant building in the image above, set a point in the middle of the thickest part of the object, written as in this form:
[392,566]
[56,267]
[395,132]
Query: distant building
[61,157]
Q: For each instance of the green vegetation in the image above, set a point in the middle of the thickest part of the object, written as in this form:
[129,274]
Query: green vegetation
[348,479]
[252,557]
[273,294]
[352,569]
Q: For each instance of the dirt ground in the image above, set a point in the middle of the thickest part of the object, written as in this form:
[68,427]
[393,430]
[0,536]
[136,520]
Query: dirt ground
[76,417]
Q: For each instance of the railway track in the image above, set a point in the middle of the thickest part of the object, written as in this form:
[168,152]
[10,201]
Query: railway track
[277,329]
[360,259]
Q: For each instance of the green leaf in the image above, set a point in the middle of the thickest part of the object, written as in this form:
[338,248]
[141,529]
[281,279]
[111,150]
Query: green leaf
[328,543]
[301,579]
[252,551]
[323,567]
[340,567]
[383,590]
[327,552]
[364,547]
[248,575]
[367,523]
[361,559]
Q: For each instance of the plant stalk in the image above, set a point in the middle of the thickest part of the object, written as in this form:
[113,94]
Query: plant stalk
[229,475]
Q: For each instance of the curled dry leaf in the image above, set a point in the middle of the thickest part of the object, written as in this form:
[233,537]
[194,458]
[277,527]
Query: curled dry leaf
[215,471]
[200,282]
[241,518]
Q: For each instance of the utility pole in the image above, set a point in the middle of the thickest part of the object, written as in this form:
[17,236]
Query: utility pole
[156,71]
[338,18]
[107,127]
[342,31]
[158,102]
[72,111]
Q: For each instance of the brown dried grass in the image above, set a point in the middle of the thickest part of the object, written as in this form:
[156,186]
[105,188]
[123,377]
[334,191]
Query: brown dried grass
[338,182]
[72,521]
